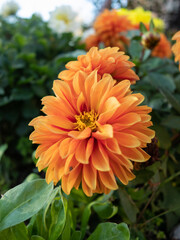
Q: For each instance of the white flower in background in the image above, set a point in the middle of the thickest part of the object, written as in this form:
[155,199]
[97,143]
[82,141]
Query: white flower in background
[64,19]
[9,8]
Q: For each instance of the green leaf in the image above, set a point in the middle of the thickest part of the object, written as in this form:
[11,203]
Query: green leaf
[15,233]
[66,234]
[85,218]
[31,176]
[3,148]
[143,28]
[110,231]
[35,237]
[128,205]
[171,99]
[23,201]
[41,216]
[151,26]
[172,121]
[76,235]
[21,94]
[58,218]
[87,212]
[141,177]
[156,102]
[135,49]
[161,81]
[105,210]
[163,136]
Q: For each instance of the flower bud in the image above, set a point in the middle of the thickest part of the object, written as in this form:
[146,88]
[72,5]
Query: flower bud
[150,40]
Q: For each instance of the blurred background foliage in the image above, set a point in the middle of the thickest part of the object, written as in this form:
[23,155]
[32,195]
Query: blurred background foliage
[31,58]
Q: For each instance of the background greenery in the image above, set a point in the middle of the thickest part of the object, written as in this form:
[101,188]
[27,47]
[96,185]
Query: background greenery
[31,58]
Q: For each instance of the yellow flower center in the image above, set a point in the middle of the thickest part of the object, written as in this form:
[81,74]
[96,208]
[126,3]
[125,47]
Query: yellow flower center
[86,119]
[63,17]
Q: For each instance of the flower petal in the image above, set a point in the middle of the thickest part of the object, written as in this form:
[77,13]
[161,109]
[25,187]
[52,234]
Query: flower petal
[80,134]
[108,179]
[90,175]
[127,140]
[99,160]
[104,132]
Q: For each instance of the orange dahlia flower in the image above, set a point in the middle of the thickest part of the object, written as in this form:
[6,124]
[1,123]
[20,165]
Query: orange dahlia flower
[176,47]
[163,48]
[92,40]
[91,133]
[107,60]
[109,23]
[119,41]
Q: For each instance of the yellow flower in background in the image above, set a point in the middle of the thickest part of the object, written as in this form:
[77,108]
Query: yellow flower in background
[138,15]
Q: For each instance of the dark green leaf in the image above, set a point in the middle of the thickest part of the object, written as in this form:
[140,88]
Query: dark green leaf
[161,81]
[171,99]
[128,205]
[66,234]
[76,235]
[110,231]
[3,148]
[21,94]
[35,237]
[162,136]
[143,28]
[172,121]
[135,49]
[17,232]
[151,26]
[58,218]
[105,210]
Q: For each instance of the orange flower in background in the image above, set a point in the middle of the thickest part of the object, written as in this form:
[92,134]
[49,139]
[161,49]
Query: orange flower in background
[176,47]
[119,41]
[163,48]
[92,40]
[109,23]
[91,133]
[108,60]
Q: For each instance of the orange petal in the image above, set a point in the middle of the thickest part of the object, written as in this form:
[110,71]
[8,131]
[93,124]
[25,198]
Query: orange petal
[104,132]
[70,164]
[112,145]
[135,154]
[108,109]
[80,152]
[89,148]
[108,179]
[121,160]
[80,134]
[90,175]
[64,147]
[66,75]
[120,89]
[72,178]
[99,160]
[141,136]
[49,155]
[87,190]
[127,140]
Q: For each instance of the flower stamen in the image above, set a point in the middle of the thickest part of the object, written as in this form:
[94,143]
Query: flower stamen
[86,119]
